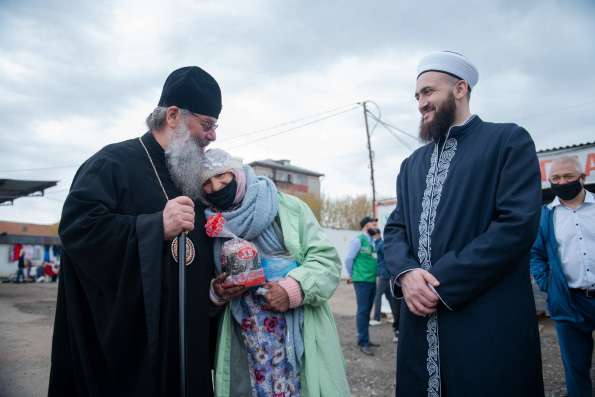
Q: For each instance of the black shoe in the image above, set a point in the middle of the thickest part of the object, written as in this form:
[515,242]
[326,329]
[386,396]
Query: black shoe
[366,350]
[373,344]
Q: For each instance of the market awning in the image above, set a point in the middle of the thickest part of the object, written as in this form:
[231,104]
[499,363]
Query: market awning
[12,189]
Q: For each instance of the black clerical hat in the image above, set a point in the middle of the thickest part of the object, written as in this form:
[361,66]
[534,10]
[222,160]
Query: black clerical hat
[193,89]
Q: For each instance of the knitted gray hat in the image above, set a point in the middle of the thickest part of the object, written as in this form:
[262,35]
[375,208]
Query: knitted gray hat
[215,162]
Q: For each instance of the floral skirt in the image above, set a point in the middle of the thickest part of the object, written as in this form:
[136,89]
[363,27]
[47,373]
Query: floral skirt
[264,333]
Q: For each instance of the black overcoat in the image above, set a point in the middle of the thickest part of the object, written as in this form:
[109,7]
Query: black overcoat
[116,327]
[468,212]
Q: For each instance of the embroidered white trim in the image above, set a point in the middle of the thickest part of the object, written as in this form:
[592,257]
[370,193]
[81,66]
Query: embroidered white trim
[439,165]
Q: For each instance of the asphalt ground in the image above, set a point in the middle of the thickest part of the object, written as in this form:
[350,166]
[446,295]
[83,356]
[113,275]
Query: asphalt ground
[27,314]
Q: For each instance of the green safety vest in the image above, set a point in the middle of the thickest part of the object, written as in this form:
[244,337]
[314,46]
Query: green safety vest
[365,265]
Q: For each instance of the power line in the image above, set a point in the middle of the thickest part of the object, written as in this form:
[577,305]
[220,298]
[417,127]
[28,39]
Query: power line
[376,118]
[393,127]
[294,128]
[398,138]
[286,123]
[351,107]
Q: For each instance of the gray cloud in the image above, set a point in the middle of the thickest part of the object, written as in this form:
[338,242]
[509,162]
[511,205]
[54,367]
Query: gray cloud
[76,77]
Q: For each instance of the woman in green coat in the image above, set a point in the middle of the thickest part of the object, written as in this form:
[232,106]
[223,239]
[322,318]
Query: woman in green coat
[279,339]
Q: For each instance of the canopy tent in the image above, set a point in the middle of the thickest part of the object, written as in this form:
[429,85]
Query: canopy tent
[12,189]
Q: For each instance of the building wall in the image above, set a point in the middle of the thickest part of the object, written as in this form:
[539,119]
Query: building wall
[264,171]
[383,210]
[5,254]
[314,185]
[291,182]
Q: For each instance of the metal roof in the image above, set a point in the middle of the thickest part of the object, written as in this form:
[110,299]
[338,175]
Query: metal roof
[576,146]
[10,239]
[285,166]
[12,189]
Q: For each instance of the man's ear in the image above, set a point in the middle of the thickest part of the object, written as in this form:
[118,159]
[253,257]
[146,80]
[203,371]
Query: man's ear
[460,89]
[172,117]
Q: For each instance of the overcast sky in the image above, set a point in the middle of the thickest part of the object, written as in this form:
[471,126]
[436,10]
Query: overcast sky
[74,78]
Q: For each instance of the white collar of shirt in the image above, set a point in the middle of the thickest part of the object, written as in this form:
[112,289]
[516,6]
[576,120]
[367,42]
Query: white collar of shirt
[465,122]
[589,199]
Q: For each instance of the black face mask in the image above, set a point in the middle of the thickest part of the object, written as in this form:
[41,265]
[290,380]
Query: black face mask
[567,191]
[223,199]
[373,232]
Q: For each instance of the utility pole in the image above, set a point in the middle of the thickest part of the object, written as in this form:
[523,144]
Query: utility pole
[371,155]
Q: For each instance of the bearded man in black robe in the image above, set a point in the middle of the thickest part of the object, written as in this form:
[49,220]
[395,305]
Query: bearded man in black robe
[458,247]
[116,329]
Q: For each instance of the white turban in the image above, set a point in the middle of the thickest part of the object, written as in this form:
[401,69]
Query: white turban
[451,63]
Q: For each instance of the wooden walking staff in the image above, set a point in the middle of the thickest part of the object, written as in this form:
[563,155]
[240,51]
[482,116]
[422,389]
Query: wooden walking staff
[182,309]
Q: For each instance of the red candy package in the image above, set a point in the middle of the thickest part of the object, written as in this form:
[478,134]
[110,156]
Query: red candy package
[239,257]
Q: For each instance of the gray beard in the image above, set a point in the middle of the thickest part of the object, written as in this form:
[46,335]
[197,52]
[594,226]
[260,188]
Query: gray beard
[184,155]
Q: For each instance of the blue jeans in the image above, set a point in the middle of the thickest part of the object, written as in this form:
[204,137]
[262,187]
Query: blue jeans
[395,305]
[576,346]
[364,296]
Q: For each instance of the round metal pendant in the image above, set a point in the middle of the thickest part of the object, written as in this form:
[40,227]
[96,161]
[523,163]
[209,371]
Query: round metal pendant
[190,251]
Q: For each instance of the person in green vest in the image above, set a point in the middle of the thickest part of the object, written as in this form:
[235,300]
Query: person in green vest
[362,265]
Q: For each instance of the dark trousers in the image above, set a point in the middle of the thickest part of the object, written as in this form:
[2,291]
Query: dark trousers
[364,296]
[383,288]
[576,346]
[20,275]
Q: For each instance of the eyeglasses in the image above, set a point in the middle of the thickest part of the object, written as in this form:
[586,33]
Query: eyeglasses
[566,177]
[207,125]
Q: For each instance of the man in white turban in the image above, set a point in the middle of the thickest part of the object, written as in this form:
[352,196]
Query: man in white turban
[458,243]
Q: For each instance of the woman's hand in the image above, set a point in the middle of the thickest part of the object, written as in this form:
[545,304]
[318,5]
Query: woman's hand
[277,298]
[227,292]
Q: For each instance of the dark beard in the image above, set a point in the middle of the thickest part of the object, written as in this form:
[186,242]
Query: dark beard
[184,155]
[443,120]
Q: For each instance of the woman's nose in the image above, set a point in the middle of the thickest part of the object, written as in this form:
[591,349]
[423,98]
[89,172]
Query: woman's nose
[217,185]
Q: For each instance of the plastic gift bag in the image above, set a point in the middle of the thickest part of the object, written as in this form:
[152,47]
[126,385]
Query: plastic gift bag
[276,267]
[239,257]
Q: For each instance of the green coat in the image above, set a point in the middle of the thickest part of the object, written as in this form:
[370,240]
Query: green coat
[323,370]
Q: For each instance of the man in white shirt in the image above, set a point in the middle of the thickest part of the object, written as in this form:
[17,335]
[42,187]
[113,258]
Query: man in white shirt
[563,265]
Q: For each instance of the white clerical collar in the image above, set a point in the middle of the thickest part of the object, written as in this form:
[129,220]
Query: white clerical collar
[589,199]
[464,123]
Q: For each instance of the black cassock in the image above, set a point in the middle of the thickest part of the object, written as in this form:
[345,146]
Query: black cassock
[116,327]
[468,212]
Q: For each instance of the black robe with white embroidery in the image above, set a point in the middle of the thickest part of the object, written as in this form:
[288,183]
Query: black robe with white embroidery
[468,212]
[116,329]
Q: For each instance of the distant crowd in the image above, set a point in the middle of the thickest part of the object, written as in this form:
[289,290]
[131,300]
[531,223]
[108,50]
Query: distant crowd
[28,271]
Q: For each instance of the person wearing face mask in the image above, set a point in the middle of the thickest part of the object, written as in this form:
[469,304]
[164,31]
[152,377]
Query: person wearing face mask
[279,339]
[563,265]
